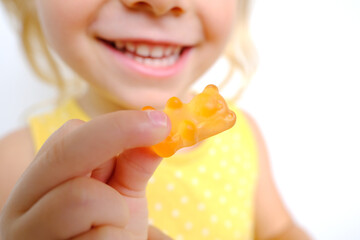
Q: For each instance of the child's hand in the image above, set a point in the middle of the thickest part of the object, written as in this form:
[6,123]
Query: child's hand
[56,198]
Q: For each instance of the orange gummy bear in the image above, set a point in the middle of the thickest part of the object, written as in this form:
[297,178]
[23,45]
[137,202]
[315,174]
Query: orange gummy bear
[205,115]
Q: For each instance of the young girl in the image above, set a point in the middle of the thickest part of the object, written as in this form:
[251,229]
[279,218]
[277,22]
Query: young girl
[96,179]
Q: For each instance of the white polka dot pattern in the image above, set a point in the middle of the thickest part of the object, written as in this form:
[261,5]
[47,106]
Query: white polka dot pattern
[206,193]
[210,196]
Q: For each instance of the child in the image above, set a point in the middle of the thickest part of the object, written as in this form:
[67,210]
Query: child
[96,179]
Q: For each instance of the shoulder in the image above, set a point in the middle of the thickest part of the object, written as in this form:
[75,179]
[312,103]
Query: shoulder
[258,136]
[11,145]
[271,216]
[16,153]
[252,124]
[247,121]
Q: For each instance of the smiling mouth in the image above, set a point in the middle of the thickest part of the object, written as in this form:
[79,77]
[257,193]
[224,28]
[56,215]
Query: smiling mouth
[148,54]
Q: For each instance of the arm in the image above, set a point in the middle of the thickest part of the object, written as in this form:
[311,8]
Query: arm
[16,153]
[272,220]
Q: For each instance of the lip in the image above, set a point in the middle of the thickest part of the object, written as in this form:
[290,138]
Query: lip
[150,71]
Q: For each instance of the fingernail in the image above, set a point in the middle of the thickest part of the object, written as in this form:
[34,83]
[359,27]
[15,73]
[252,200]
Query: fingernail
[158,118]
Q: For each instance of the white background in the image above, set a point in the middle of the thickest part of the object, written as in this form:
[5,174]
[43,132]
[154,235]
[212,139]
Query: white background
[305,98]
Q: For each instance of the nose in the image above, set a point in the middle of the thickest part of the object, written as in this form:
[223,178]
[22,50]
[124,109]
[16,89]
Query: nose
[157,7]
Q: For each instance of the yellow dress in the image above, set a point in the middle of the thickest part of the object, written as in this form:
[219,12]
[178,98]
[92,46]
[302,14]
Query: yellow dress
[205,193]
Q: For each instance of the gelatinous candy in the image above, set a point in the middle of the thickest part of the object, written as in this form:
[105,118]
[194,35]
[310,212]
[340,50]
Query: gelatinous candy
[205,115]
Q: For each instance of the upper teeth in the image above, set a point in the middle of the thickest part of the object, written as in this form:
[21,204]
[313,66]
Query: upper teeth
[145,50]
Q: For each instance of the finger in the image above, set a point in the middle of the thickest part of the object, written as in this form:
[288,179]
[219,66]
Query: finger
[14,201]
[60,133]
[104,172]
[133,170]
[87,147]
[155,234]
[73,208]
[105,233]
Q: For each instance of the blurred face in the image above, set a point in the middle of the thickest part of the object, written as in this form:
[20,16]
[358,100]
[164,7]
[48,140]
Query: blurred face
[136,53]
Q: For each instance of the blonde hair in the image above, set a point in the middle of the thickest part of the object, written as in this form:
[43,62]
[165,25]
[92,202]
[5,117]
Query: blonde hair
[240,51]
[37,52]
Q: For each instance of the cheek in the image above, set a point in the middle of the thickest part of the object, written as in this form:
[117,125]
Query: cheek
[61,19]
[218,19]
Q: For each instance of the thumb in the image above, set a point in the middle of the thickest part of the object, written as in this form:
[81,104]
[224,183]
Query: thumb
[134,168]
[156,234]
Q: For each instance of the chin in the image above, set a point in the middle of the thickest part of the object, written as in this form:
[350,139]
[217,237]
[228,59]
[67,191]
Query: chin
[137,97]
[138,101]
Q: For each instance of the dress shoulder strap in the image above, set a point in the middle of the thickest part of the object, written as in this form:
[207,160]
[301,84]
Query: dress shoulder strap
[42,126]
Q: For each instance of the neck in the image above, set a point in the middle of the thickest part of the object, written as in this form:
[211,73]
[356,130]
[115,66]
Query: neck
[94,104]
